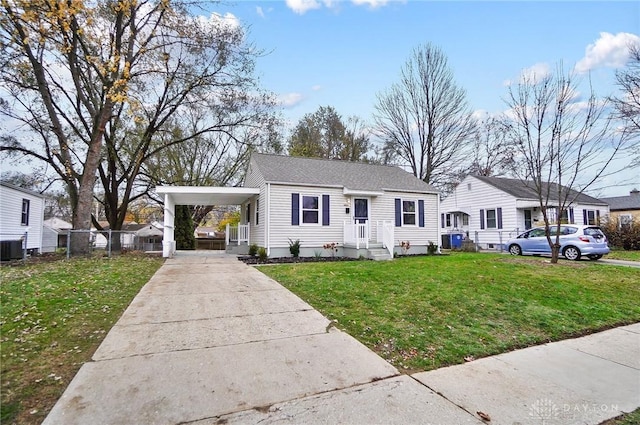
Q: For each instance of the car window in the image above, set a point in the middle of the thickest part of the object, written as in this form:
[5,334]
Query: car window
[593,231]
[536,233]
[568,230]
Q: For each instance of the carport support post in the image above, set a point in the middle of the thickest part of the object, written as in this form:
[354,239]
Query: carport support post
[168,242]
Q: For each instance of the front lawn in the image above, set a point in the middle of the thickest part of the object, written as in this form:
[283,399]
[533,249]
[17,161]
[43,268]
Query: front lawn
[54,315]
[422,313]
[620,254]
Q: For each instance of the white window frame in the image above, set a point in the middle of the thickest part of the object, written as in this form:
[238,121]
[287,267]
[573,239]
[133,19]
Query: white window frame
[495,218]
[303,209]
[26,207]
[465,219]
[591,214]
[414,213]
[448,220]
[625,221]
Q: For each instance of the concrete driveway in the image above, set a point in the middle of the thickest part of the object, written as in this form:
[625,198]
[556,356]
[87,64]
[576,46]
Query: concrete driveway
[209,340]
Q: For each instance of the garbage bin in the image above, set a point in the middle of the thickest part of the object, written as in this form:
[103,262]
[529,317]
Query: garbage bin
[11,250]
[456,240]
[446,242]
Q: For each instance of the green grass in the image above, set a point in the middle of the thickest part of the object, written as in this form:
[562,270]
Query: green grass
[632,418]
[619,254]
[54,315]
[421,313]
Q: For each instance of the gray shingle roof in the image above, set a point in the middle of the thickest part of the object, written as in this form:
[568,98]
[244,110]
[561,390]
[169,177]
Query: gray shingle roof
[525,190]
[334,173]
[630,202]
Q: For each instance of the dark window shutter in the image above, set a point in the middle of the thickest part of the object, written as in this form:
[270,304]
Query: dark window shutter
[571,219]
[249,213]
[398,212]
[442,220]
[481,219]
[585,218]
[295,209]
[598,217]
[420,212]
[499,218]
[325,210]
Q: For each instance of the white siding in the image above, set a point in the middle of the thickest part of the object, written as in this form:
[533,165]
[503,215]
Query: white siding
[11,216]
[483,196]
[381,208]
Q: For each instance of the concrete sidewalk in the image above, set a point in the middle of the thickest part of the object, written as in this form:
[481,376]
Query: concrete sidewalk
[210,340]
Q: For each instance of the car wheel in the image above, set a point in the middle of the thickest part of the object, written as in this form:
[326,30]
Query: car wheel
[594,257]
[571,253]
[515,250]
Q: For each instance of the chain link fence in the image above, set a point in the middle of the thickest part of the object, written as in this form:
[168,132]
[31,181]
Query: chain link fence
[109,242]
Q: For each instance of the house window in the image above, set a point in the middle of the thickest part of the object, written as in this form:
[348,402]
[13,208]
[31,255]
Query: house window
[409,212]
[465,219]
[257,211]
[25,212]
[590,217]
[624,221]
[310,209]
[492,222]
[448,220]
[468,186]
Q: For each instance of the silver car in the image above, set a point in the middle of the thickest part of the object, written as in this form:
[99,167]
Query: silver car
[575,241]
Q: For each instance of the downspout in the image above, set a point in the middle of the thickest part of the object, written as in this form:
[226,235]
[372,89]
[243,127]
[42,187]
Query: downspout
[438,226]
[267,221]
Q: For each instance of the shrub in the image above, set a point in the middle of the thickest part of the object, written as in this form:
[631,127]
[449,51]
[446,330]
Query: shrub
[294,247]
[432,248]
[332,247]
[262,254]
[405,246]
[184,236]
[625,236]
[253,249]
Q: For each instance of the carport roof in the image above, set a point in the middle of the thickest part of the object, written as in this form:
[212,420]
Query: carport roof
[207,195]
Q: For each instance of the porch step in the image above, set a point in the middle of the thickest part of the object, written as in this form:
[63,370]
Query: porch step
[378,254]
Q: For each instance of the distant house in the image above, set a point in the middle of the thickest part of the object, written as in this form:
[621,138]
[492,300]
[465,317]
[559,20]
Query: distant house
[490,210]
[625,209]
[132,236]
[21,219]
[55,234]
[366,210]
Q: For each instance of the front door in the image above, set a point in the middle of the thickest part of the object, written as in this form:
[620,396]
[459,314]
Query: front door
[527,219]
[360,210]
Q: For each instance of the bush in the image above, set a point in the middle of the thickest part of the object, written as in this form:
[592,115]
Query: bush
[625,236]
[294,247]
[262,254]
[253,249]
[184,236]
[432,248]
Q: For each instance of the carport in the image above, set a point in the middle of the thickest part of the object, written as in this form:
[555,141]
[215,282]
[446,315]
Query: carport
[196,195]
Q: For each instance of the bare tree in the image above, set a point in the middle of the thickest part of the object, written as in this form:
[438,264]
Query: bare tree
[564,144]
[424,119]
[97,83]
[627,106]
[491,152]
[323,134]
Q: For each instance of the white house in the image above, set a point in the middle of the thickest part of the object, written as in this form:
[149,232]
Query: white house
[490,210]
[21,217]
[367,210]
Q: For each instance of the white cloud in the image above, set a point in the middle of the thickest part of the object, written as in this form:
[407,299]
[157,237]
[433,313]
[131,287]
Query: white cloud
[302,6]
[259,11]
[371,3]
[317,87]
[609,50]
[289,100]
[534,74]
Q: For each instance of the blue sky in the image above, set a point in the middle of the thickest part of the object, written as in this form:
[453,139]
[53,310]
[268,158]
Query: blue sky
[342,53]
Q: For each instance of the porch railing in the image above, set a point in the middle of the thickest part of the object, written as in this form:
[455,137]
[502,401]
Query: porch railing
[385,234]
[356,234]
[237,234]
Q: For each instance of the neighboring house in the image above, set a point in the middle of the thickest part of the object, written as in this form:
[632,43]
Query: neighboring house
[133,236]
[490,210]
[625,209]
[55,234]
[367,210]
[21,217]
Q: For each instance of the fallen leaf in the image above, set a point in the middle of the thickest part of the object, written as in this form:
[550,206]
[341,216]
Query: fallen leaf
[484,416]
